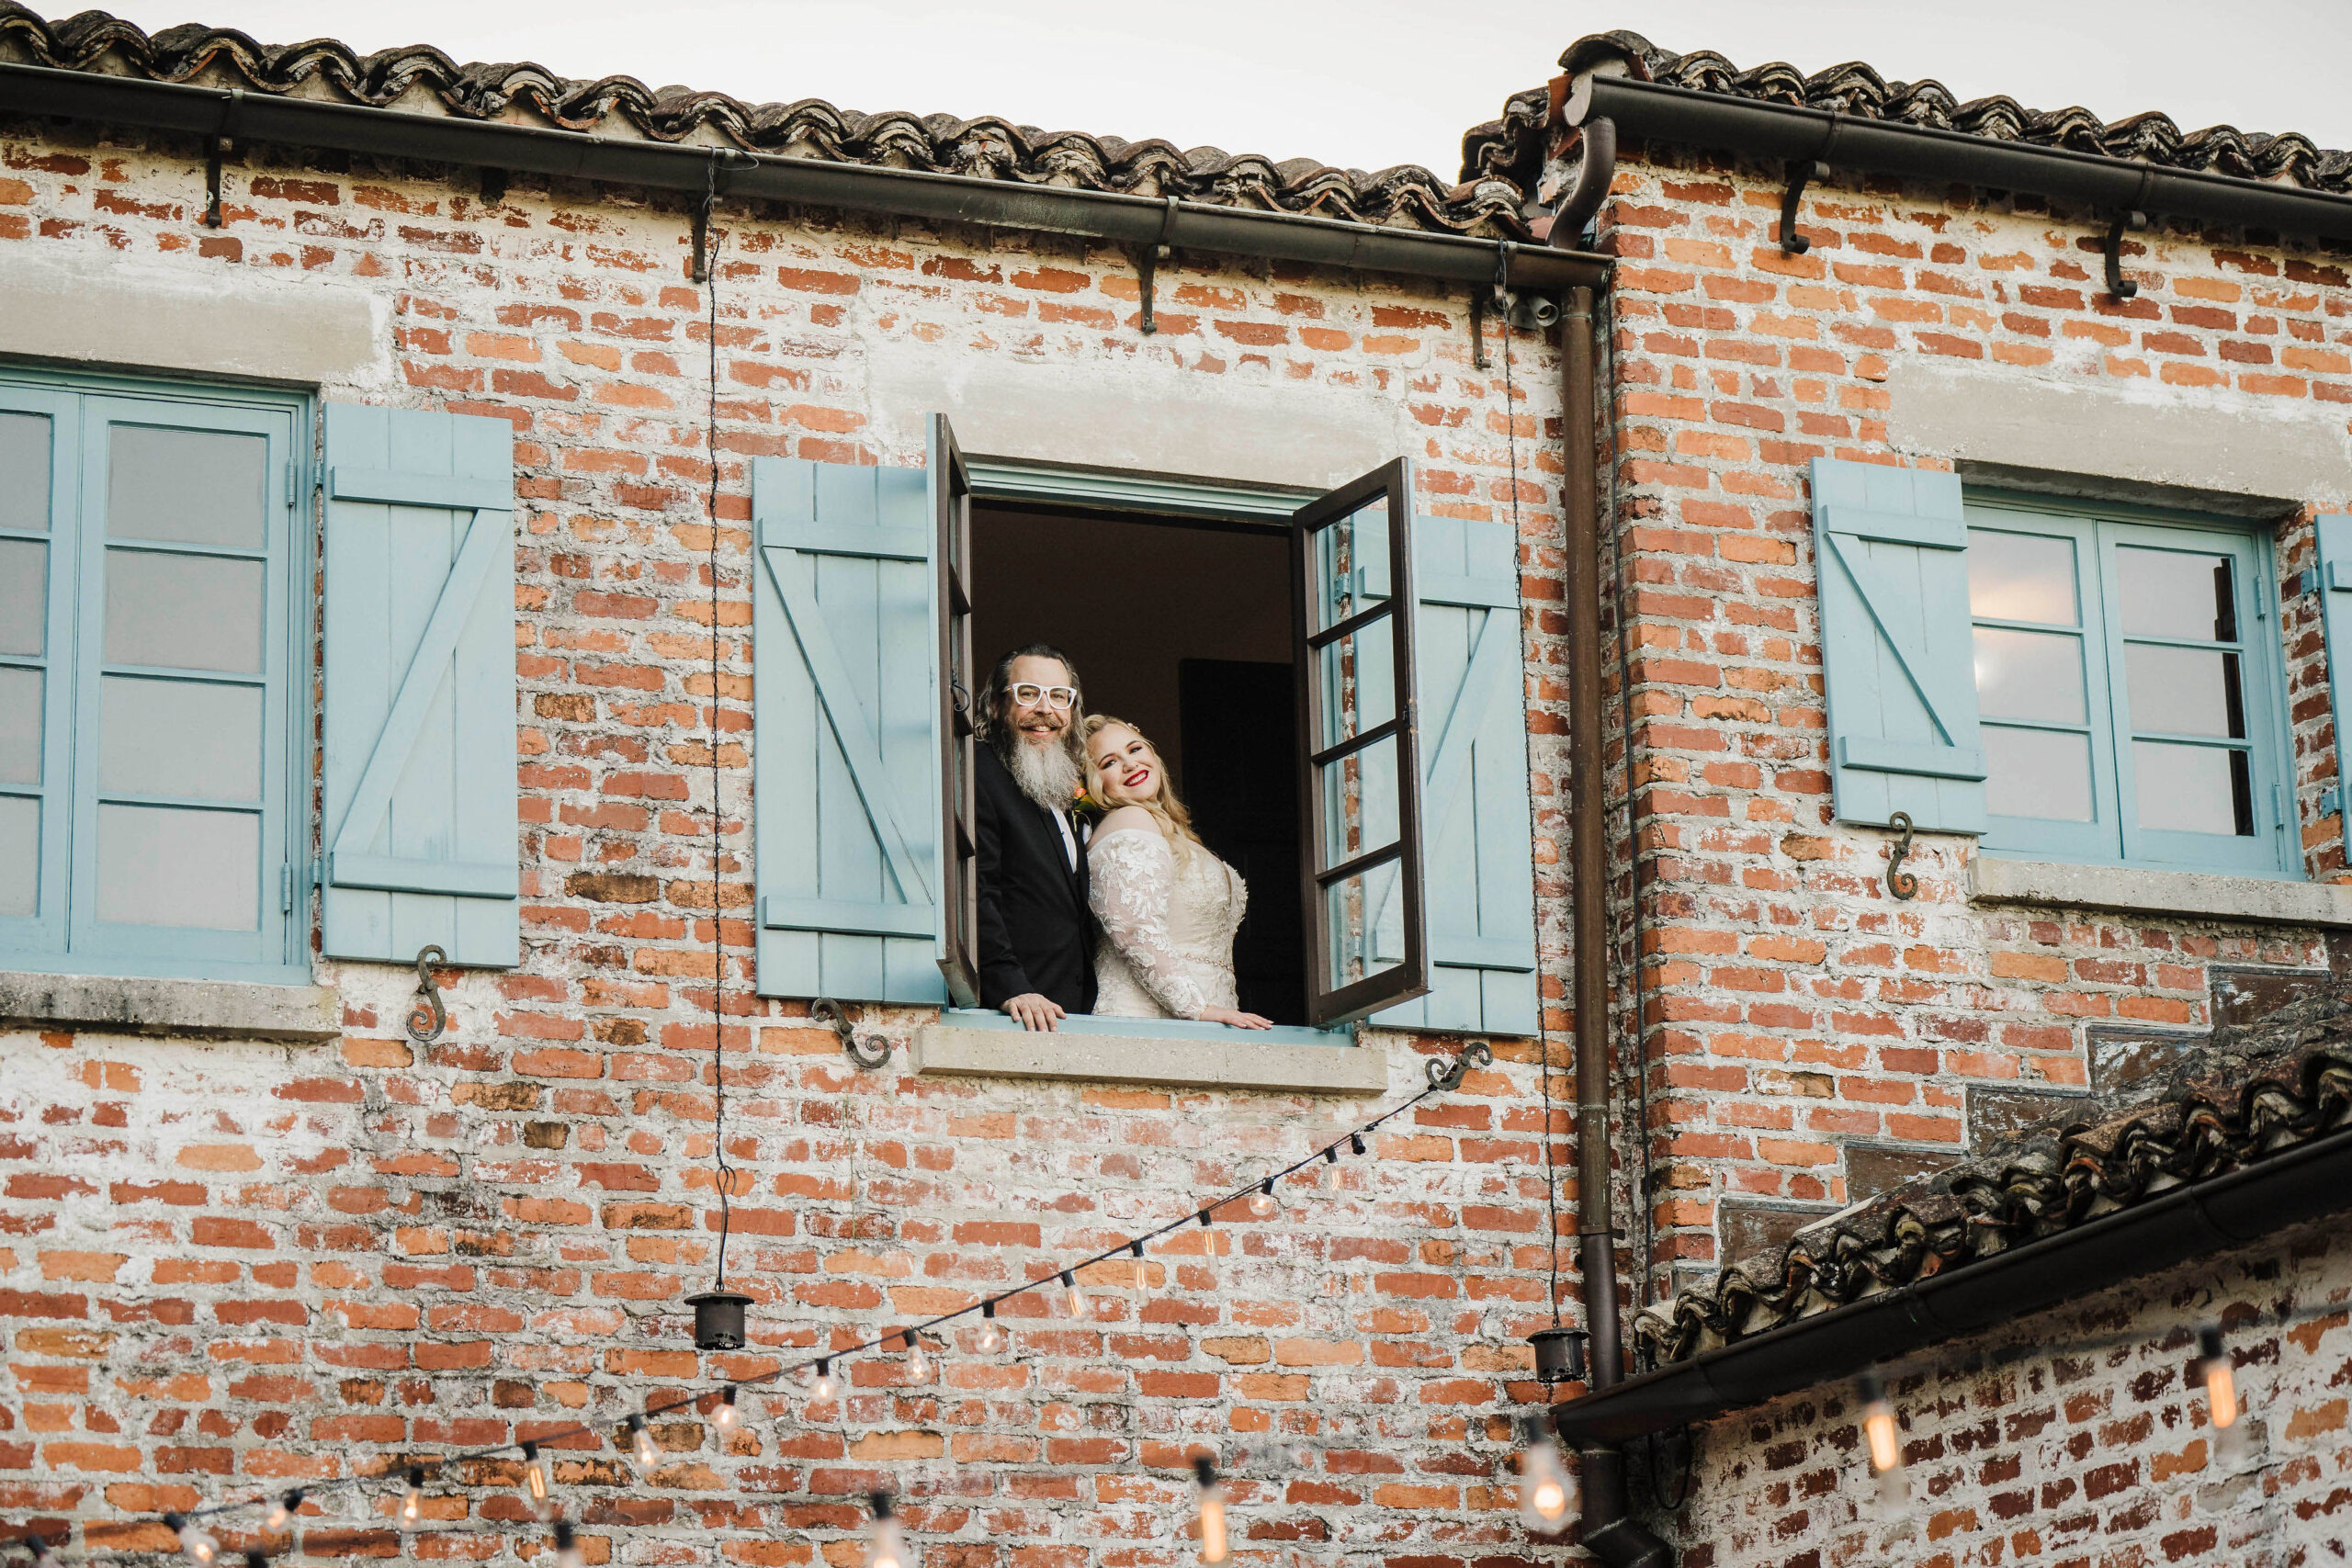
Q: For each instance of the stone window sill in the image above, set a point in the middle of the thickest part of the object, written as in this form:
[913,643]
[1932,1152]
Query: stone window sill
[2253,900]
[222,1010]
[1146,1051]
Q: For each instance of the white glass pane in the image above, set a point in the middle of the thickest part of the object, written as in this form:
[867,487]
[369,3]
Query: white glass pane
[183,612]
[24,596]
[160,866]
[1360,813]
[194,487]
[2021,577]
[2184,690]
[2030,675]
[2193,789]
[2038,773]
[19,725]
[24,472]
[2175,593]
[1364,921]
[1349,560]
[1357,677]
[19,855]
[179,738]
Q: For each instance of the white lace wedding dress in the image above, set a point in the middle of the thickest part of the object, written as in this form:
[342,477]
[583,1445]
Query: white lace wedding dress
[1167,919]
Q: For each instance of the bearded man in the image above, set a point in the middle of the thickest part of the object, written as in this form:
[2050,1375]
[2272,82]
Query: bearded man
[1037,935]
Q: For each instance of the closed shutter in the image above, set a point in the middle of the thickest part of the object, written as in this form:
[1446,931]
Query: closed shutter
[1481,894]
[419,766]
[2334,540]
[1891,549]
[846,749]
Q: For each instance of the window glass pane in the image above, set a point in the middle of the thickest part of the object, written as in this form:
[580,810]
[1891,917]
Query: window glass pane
[24,596]
[195,486]
[160,866]
[1349,560]
[19,725]
[1358,682]
[2030,675]
[2038,773]
[179,738]
[1363,925]
[1359,809]
[2021,577]
[2192,789]
[183,612]
[2175,593]
[24,472]
[19,855]
[2184,690]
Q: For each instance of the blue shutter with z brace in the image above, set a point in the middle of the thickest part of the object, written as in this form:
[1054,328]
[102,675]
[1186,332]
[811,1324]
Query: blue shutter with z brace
[1891,550]
[845,782]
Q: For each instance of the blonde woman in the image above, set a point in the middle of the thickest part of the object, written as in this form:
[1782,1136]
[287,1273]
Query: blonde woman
[1168,907]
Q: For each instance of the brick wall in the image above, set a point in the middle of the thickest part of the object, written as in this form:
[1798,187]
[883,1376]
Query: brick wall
[1807,1037]
[2020,1450]
[231,1265]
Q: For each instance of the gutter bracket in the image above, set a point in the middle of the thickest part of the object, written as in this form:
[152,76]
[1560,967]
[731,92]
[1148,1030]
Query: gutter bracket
[1802,173]
[2131,220]
[493,187]
[1148,261]
[1477,328]
[214,148]
[1502,299]
[720,158]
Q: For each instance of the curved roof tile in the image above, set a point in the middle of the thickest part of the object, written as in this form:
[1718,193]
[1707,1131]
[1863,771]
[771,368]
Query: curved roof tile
[986,148]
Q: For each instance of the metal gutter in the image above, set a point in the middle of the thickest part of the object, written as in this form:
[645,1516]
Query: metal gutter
[2296,1185]
[1792,133]
[253,116]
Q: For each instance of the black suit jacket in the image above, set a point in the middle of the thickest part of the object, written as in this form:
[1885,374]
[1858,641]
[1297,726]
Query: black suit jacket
[1036,933]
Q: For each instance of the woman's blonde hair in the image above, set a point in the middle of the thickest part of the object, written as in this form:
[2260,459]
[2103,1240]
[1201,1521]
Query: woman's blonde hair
[1175,823]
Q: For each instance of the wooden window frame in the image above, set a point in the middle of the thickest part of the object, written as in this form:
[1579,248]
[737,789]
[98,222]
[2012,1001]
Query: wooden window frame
[959,695]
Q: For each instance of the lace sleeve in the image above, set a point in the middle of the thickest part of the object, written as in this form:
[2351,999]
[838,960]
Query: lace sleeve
[1130,878]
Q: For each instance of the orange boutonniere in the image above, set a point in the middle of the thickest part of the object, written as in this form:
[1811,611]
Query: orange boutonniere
[1084,803]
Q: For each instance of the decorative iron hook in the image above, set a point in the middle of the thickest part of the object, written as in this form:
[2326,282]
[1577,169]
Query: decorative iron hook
[1448,1075]
[871,1053]
[429,1017]
[1900,883]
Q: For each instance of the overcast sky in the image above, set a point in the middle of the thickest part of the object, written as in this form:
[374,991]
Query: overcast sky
[1360,82]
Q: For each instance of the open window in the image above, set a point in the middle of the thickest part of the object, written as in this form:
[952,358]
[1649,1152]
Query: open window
[1283,658]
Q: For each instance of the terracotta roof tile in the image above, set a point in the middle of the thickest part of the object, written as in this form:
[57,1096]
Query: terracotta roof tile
[986,148]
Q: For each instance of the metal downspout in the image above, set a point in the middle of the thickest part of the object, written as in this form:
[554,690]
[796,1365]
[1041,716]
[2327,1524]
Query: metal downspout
[1607,1532]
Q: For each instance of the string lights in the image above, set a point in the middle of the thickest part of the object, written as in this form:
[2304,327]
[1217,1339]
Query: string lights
[817,1375]
[1542,1480]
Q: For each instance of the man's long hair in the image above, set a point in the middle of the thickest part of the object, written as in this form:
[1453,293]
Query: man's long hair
[988,722]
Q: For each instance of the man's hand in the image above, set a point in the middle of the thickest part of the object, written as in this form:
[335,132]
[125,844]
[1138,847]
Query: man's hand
[1033,1009]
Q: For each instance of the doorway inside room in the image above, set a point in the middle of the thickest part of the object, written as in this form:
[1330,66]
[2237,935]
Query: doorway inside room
[1184,629]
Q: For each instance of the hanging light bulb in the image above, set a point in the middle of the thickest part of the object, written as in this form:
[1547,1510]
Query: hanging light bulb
[1214,1547]
[823,1386]
[1355,1142]
[195,1540]
[1543,1482]
[723,1415]
[641,1444]
[2213,1373]
[257,1560]
[1262,1202]
[412,1500]
[918,1360]
[886,1548]
[1884,1441]
[991,1337]
[281,1512]
[567,1547]
[535,1476]
[1072,1297]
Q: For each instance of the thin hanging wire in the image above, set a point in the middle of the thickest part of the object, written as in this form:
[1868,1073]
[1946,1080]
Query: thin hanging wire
[717,904]
[1527,737]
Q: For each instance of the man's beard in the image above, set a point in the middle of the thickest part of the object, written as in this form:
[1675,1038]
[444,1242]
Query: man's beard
[1046,774]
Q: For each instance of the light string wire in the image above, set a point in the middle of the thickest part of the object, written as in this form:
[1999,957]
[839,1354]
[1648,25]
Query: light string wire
[713,244]
[1527,738]
[436,1466]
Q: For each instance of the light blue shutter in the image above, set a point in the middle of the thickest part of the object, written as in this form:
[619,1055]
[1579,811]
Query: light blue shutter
[419,822]
[1480,893]
[1891,548]
[2334,537]
[845,785]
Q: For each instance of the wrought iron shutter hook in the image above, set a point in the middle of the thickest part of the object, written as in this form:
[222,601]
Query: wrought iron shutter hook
[429,1017]
[1900,883]
[871,1052]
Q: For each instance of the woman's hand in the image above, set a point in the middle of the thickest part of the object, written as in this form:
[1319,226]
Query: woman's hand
[1233,1018]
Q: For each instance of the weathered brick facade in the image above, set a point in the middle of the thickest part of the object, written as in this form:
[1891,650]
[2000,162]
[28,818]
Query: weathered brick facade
[232,1264]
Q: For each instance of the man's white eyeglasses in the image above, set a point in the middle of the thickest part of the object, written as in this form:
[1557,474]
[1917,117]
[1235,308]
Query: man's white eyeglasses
[1027,693]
